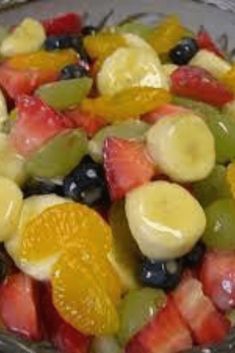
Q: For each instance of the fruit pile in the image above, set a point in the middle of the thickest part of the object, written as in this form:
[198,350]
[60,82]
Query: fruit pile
[117,186]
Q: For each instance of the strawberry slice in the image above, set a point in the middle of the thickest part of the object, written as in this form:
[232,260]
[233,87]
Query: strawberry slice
[127,165]
[199,84]
[161,112]
[65,24]
[205,41]
[87,121]
[166,333]
[207,324]
[18,306]
[36,124]
[18,82]
[65,338]
[218,278]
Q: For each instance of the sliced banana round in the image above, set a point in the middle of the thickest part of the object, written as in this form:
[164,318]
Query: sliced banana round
[131,66]
[182,146]
[12,165]
[165,219]
[11,201]
[28,37]
[32,207]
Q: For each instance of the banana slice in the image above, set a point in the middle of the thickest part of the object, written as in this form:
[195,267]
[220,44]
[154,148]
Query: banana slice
[211,62]
[183,147]
[32,207]
[12,165]
[28,37]
[11,201]
[137,65]
[165,219]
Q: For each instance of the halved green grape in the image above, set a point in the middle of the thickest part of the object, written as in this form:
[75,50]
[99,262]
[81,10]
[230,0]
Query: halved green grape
[4,31]
[220,227]
[136,310]
[229,109]
[125,253]
[65,94]
[105,344]
[222,127]
[212,188]
[140,29]
[129,130]
[59,156]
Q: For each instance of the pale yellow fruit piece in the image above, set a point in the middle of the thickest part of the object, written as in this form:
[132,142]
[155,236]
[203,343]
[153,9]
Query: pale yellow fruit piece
[28,37]
[165,219]
[12,165]
[11,201]
[131,67]
[182,146]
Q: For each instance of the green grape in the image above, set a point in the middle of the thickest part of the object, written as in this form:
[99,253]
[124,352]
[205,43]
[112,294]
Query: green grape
[213,187]
[136,309]
[59,156]
[65,94]
[222,127]
[129,130]
[137,28]
[105,344]
[125,253]
[220,227]
[229,109]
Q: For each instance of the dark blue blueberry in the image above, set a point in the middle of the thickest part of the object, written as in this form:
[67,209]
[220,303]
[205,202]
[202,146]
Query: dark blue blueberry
[86,184]
[42,187]
[184,51]
[58,42]
[6,264]
[88,30]
[195,256]
[161,274]
[73,71]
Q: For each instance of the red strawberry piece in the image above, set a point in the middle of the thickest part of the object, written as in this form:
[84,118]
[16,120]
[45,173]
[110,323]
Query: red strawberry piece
[88,122]
[65,338]
[36,124]
[161,112]
[199,84]
[205,41]
[18,306]
[69,23]
[127,165]
[206,323]
[218,278]
[166,333]
[18,82]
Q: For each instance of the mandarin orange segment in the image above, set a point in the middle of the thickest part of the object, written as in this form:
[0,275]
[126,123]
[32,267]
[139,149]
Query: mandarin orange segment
[43,60]
[230,177]
[229,79]
[129,103]
[102,45]
[80,297]
[59,226]
[165,36]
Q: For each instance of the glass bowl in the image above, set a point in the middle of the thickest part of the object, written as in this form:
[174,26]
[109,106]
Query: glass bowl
[194,13]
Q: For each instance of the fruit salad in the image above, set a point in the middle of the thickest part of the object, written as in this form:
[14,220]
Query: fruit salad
[117,187]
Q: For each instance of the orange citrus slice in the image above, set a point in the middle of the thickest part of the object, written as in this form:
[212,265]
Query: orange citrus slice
[80,297]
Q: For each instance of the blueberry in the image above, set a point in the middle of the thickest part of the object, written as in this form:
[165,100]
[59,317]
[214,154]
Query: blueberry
[6,264]
[184,51]
[88,30]
[161,274]
[73,71]
[42,187]
[86,184]
[195,256]
[58,42]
